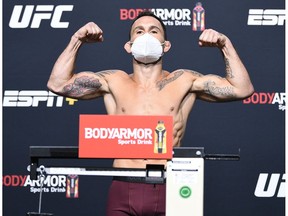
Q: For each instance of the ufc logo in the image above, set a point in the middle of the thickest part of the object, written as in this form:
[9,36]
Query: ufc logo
[35,14]
[270,185]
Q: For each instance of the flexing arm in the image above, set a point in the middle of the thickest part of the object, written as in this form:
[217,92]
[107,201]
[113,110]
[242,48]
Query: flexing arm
[235,85]
[83,85]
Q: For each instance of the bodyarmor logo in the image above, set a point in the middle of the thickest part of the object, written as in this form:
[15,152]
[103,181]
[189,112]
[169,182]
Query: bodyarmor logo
[172,17]
[268,98]
[118,133]
[35,14]
[52,183]
[270,188]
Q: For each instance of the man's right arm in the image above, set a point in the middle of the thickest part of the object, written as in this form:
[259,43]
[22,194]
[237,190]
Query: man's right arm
[84,85]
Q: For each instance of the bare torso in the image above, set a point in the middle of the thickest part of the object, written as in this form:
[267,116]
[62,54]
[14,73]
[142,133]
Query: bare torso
[150,90]
[170,97]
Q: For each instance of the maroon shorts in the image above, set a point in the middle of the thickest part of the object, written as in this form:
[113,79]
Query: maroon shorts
[137,199]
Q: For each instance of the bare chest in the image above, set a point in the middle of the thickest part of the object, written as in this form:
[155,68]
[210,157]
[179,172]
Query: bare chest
[139,101]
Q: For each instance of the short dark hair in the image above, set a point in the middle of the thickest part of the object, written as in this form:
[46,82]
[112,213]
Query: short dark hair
[151,14]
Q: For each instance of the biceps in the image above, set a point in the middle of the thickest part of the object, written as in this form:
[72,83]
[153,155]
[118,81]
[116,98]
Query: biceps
[213,87]
[84,86]
[219,89]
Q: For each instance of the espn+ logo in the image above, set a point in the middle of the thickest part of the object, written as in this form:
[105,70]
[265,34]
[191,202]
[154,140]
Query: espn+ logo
[31,16]
[32,98]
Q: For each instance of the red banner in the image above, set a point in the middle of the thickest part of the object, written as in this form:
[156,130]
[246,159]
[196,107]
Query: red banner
[122,136]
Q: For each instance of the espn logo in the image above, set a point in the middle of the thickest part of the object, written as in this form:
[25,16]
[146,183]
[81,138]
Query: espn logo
[14,98]
[268,17]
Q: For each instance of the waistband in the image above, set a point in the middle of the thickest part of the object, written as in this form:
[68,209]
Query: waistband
[138,180]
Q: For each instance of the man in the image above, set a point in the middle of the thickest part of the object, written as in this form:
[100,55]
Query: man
[149,90]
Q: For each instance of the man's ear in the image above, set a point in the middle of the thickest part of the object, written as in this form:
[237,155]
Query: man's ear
[167,46]
[127,47]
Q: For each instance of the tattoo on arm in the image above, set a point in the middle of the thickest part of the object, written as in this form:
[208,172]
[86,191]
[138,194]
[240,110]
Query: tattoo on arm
[81,86]
[162,83]
[229,73]
[210,88]
[85,84]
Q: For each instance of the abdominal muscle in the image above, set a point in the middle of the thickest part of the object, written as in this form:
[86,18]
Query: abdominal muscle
[141,163]
[178,132]
[179,111]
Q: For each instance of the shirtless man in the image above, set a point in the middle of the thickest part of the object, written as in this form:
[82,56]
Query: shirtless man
[149,90]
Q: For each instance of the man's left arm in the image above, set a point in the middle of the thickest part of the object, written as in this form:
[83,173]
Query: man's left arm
[236,84]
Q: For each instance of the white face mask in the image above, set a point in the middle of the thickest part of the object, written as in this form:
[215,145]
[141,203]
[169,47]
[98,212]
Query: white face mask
[147,49]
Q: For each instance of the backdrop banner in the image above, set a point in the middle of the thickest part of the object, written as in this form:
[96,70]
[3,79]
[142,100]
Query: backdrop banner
[36,32]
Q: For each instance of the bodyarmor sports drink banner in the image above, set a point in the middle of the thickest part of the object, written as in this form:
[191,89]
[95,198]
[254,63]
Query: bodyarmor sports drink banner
[36,32]
[125,136]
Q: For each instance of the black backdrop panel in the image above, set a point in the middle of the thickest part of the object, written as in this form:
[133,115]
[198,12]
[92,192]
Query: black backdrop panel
[33,116]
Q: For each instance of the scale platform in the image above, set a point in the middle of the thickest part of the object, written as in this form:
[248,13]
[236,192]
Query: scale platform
[184,174]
